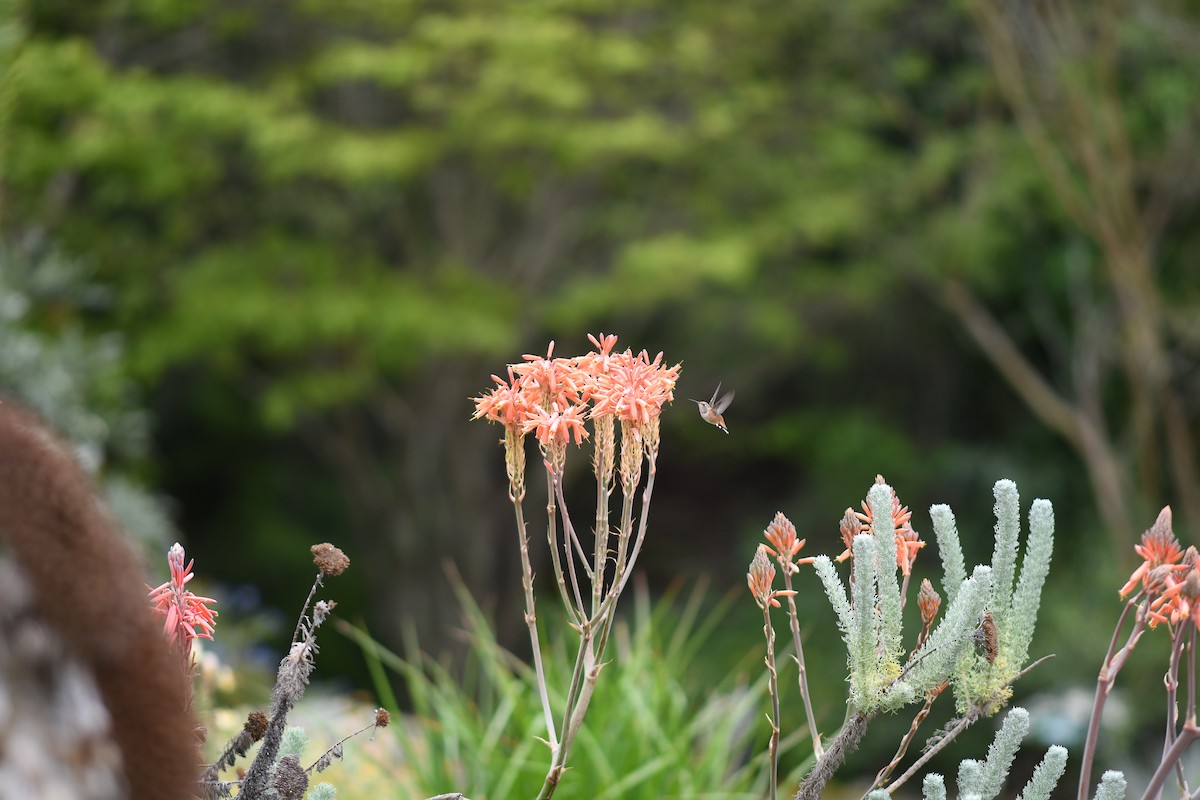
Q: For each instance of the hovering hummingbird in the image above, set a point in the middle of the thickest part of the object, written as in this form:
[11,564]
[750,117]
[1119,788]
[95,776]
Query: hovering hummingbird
[711,411]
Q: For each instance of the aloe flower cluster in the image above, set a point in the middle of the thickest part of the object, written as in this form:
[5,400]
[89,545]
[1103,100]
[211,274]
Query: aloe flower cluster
[557,400]
[186,616]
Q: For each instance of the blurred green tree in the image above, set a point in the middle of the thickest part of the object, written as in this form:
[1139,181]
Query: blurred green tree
[332,220]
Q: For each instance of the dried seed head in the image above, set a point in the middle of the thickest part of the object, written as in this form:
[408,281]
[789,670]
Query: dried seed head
[382,718]
[256,725]
[290,778]
[329,559]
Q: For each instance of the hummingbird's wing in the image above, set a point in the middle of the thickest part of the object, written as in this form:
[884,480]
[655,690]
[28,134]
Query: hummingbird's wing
[716,392]
[723,403]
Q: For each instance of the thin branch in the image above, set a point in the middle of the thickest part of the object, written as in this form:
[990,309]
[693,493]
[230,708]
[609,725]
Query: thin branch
[1113,661]
[802,677]
[963,723]
[886,772]
[531,622]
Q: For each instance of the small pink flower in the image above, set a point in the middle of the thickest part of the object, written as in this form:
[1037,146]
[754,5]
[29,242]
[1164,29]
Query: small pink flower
[187,615]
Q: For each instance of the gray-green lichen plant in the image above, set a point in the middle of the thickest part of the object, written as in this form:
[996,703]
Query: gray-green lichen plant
[882,679]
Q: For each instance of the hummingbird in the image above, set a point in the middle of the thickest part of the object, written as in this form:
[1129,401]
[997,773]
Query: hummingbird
[711,411]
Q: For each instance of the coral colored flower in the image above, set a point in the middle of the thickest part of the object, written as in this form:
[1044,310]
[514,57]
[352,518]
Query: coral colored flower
[1178,601]
[781,533]
[507,404]
[187,616]
[555,426]
[849,527]
[635,388]
[550,381]
[761,576]
[908,544]
[1159,548]
[908,541]
[595,364]
[928,601]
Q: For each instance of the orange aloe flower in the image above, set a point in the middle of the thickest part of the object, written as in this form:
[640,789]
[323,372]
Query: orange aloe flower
[908,544]
[928,601]
[507,403]
[849,527]
[187,616]
[1178,599]
[635,388]
[598,362]
[551,381]
[556,426]
[1159,548]
[781,533]
[908,541]
[761,576]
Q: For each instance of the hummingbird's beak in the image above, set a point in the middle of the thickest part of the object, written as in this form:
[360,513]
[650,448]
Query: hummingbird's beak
[697,402]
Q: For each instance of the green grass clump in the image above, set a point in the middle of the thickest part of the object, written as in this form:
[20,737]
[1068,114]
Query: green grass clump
[654,730]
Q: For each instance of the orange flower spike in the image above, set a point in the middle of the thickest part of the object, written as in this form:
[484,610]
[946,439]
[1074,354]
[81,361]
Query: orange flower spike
[604,343]
[781,533]
[1158,548]
[557,427]
[507,403]
[849,527]
[928,601]
[908,544]
[1174,591]
[551,380]
[760,578]
[761,575]
[594,366]
[634,389]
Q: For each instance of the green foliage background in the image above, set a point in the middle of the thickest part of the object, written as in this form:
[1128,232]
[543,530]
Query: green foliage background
[323,224]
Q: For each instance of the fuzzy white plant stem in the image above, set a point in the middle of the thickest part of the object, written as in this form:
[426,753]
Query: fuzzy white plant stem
[1004,556]
[1046,775]
[1035,565]
[934,787]
[953,565]
[1112,786]
[1002,751]
[880,499]
[935,660]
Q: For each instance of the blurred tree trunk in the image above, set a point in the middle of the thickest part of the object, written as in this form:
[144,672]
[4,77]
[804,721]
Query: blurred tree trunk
[1057,65]
[425,488]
